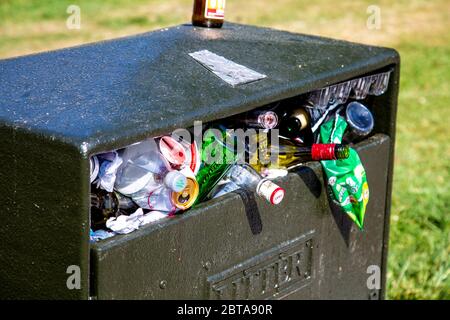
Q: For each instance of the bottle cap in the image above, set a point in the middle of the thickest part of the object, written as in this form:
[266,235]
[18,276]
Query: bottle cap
[186,198]
[175,181]
[270,191]
[268,120]
[359,118]
[172,150]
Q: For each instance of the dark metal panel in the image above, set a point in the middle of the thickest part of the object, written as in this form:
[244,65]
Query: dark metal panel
[44,219]
[346,251]
[388,121]
[304,249]
[113,93]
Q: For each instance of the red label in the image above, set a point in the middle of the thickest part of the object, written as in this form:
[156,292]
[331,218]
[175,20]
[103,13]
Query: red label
[215,9]
[323,152]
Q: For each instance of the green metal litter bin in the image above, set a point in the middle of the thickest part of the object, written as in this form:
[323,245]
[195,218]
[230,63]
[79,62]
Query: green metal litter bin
[59,108]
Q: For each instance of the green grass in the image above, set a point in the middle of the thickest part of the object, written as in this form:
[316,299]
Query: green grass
[420,233]
[419,29]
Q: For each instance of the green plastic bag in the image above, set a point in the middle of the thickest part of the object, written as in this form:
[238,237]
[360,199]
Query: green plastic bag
[346,178]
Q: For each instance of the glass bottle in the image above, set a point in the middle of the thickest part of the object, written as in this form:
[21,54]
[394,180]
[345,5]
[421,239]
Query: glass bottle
[246,177]
[257,119]
[291,154]
[296,124]
[208,13]
[360,122]
[217,159]
[105,205]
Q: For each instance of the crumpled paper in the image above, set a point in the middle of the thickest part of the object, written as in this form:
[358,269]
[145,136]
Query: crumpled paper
[127,224]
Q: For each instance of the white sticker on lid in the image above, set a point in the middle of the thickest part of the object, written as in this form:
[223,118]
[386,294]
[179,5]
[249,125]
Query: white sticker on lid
[227,70]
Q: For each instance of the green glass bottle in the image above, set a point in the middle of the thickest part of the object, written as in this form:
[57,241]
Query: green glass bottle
[217,159]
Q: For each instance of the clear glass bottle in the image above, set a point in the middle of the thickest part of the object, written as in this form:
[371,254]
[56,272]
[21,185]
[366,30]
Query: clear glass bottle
[257,119]
[291,154]
[246,177]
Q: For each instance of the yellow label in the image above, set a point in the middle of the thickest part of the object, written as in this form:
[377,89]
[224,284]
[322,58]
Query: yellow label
[215,9]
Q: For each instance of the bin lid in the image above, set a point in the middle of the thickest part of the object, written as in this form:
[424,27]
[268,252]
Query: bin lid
[106,95]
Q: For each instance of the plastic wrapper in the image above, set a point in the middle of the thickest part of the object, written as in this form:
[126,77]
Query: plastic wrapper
[380,84]
[358,89]
[100,235]
[109,164]
[346,178]
[95,168]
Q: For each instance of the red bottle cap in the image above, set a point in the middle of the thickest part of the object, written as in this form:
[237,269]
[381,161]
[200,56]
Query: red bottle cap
[172,151]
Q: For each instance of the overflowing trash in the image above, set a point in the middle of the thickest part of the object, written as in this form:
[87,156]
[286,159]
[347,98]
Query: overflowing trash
[164,176]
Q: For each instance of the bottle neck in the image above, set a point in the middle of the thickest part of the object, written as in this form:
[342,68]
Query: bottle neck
[294,126]
[297,122]
[267,120]
[321,152]
[106,203]
[301,116]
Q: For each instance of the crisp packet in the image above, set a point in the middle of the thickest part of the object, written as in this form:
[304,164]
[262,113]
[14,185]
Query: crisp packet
[346,178]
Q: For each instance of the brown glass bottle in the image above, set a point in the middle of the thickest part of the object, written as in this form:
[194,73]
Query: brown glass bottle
[295,124]
[105,205]
[208,13]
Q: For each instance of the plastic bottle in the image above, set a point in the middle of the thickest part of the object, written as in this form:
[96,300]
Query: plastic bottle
[145,169]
